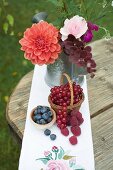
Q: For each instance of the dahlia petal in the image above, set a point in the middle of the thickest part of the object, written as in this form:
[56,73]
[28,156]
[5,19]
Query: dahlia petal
[23,48]
[29,50]
[53,48]
[37,52]
[58,48]
[54,40]
[37,61]
[27,56]
[27,32]
[41,57]
[24,42]
[50,61]
[54,55]
[48,55]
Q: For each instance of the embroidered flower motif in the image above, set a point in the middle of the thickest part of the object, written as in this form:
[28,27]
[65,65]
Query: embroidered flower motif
[55,149]
[56,165]
[40,43]
[72,162]
[77,26]
[47,153]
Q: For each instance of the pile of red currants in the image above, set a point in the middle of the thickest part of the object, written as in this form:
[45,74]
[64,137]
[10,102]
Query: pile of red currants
[61,95]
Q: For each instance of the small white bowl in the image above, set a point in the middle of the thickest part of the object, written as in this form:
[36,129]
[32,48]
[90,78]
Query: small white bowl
[48,125]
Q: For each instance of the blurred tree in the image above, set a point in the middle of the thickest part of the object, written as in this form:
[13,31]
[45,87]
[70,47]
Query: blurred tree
[6,19]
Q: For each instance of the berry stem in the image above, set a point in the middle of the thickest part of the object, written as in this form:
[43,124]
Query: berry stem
[56,155]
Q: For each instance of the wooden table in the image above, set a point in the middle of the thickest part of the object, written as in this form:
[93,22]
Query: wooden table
[100,91]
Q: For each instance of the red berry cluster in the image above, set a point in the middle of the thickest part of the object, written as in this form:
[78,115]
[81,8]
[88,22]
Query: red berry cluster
[62,118]
[61,95]
[74,119]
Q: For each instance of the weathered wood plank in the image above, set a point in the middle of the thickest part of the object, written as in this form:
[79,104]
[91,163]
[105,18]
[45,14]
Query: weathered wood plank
[100,88]
[17,107]
[102,128]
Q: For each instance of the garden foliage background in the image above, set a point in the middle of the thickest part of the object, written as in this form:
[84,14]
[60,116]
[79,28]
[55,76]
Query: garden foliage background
[12,63]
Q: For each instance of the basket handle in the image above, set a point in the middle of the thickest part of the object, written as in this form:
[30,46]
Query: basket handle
[70,84]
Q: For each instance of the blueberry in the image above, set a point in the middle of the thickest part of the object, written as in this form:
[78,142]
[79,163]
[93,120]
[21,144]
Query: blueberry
[47,132]
[34,118]
[37,117]
[42,121]
[49,119]
[38,110]
[48,109]
[35,112]
[52,136]
[38,121]
[45,116]
[50,113]
[43,109]
[39,107]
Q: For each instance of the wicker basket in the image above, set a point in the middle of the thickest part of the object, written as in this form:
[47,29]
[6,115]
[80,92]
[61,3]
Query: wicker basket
[71,106]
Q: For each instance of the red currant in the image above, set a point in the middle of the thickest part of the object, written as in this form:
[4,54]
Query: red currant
[61,116]
[64,104]
[68,102]
[59,112]
[64,120]
[64,113]
[64,108]
[59,122]
[62,126]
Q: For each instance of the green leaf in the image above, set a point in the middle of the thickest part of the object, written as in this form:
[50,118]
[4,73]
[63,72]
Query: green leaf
[44,160]
[10,20]
[5,27]
[61,153]
[56,3]
[5,3]
[73,8]
[12,33]
[67,157]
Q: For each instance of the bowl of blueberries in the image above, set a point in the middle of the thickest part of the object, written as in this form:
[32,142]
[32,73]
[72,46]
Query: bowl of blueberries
[43,117]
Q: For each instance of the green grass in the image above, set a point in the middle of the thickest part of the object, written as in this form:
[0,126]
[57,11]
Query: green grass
[13,66]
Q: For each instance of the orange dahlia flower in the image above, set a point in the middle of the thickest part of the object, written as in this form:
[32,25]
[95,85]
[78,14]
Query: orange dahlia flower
[40,43]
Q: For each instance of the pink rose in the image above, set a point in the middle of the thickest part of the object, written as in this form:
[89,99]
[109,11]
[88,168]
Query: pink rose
[77,26]
[56,165]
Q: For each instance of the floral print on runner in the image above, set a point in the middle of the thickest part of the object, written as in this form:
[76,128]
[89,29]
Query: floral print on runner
[58,159]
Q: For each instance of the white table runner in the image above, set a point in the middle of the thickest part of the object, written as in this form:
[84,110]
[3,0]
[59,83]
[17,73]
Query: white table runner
[35,142]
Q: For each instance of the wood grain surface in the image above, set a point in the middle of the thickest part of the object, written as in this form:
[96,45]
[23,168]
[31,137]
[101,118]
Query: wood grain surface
[100,90]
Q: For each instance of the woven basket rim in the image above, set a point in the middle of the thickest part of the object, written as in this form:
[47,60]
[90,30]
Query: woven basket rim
[68,107]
